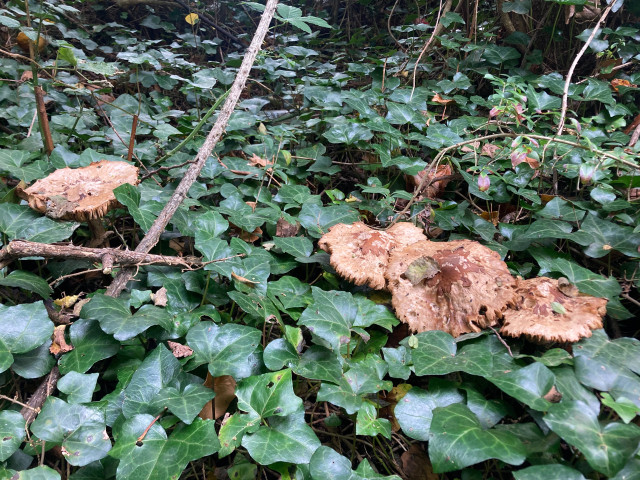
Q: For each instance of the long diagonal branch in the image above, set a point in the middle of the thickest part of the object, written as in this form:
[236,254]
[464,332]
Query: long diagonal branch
[153,235]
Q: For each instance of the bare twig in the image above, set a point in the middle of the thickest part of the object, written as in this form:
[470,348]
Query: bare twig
[437,28]
[153,235]
[32,408]
[567,83]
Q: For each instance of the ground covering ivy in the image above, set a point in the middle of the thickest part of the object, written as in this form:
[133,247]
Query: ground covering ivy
[331,129]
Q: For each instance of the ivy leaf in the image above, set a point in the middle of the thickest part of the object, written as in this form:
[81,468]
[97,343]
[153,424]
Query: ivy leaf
[528,384]
[607,448]
[609,365]
[602,236]
[19,164]
[457,440]
[348,133]
[130,197]
[368,423]
[227,348]
[35,363]
[319,363]
[161,456]
[79,387]
[317,219]
[233,430]
[186,404]
[19,221]
[327,464]
[81,430]
[330,317]
[286,439]
[38,473]
[364,377]
[414,411]
[296,246]
[91,345]
[27,281]
[24,328]
[115,318]
[11,433]
[268,394]
[437,354]
[548,472]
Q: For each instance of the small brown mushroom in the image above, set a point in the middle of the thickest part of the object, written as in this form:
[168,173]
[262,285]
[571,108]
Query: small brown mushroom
[544,313]
[361,254]
[458,287]
[82,194]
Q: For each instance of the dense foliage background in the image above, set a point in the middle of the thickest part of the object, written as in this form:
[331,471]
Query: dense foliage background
[347,103]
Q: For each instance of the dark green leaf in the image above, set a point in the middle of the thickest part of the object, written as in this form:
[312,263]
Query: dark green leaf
[19,221]
[27,281]
[160,456]
[457,441]
[11,433]
[548,472]
[81,430]
[90,344]
[79,387]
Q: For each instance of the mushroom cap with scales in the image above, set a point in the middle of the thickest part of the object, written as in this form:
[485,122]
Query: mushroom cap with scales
[361,254]
[80,194]
[459,286]
[545,311]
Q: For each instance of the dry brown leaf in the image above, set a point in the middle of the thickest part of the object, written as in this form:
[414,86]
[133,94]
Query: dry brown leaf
[256,161]
[543,313]
[160,297]
[493,217]
[78,306]
[553,395]
[489,150]
[286,229]
[416,464]
[442,101]
[251,237]
[179,350]
[207,411]
[469,292]
[246,281]
[225,388]
[433,186]
[59,344]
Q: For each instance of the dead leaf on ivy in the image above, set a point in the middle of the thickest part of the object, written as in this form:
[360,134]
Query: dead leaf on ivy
[442,101]
[553,395]
[246,281]
[160,297]
[179,350]
[256,161]
[416,464]
[59,344]
[434,184]
[286,229]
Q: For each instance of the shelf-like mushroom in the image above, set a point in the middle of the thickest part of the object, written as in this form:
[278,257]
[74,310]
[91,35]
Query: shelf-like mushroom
[81,194]
[361,254]
[458,287]
[548,311]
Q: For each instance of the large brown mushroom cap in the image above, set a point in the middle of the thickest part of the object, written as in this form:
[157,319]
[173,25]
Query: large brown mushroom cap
[80,193]
[361,254]
[544,313]
[458,287]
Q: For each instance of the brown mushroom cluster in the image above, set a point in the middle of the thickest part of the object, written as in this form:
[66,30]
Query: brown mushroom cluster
[459,286]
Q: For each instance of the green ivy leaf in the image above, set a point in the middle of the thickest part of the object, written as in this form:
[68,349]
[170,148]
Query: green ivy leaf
[38,473]
[317,219]
[11,433]
[286,439]
[548,472]
[330,317]
[27,281]
[81,430]
[233,430]
[327,464]
[368,423]
[25,327]
[528,384]
[79,387]
[35,363]
[19,221]
[185,404]
[607,447]
[602,236]
[414,411]
[348,133]
[457,441]
[268,394]
[437,354]
[296,246]
[90,344]
[19,164]
[129,196]
[159,455]
[227,349]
